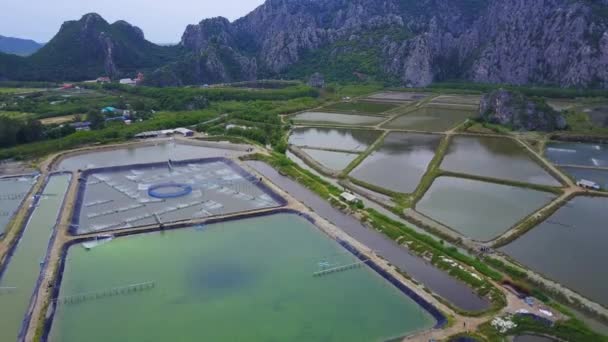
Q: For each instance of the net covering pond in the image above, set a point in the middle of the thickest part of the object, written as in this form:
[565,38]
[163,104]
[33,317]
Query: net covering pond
[132,196]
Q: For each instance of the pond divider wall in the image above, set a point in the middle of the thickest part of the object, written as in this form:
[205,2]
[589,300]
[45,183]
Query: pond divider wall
[82,182]
[50,314]
[437,315]
[10,220]
[13,248]
[28,316]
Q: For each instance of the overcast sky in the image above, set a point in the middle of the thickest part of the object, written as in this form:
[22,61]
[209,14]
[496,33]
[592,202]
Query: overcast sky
[163,21]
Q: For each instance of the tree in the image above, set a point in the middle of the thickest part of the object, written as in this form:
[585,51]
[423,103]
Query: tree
[31,131]
[96,119]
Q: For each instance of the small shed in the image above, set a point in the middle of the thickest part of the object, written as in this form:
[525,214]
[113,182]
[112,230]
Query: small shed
[109,110]
[348,197]
[587,184]
[184,131]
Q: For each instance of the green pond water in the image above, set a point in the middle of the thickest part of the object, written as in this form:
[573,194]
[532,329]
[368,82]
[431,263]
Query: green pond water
[338,119]
[248,280]
[23,268]
[400,162]
[494,157]
[12,192]
[579,228]
[431,119]
[334,138]
[337,161]
[479,210]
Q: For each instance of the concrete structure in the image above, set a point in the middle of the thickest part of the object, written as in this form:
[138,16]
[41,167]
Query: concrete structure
[147,135]
[128,81]
[81,126]
[184,131]
[348,197]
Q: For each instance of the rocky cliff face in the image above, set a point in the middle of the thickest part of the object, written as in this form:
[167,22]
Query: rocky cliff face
[514,110]
[555,42]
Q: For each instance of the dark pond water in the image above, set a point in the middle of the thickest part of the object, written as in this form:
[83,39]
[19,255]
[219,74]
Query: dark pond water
[334,138]
[338,119]
[479,210]
[567,153]
[494,157]
[332,160]
[598,176]
[407,155]
[580,229]
[456,292]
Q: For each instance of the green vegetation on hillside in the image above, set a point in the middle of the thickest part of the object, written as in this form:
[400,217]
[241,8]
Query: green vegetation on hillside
[348,60]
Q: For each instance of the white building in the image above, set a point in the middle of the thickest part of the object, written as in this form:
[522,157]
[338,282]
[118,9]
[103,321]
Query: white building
[184,131]
[587,184]
[348,197]
[128,81]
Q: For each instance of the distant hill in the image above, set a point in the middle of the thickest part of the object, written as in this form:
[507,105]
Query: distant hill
[18,46]
[89,48]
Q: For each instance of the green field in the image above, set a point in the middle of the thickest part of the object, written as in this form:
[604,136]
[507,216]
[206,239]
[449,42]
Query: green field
[430,119]
[19,90]
[14,115]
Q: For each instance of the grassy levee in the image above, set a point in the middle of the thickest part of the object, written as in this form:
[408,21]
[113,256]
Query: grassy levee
[433,170]
[569,330]
[539,286]
[374,188]
[17,223]
[407,109]
[426,246]
[538,160]
[528,223]
[364,155]
[538,187]
[312,163]
[531,221]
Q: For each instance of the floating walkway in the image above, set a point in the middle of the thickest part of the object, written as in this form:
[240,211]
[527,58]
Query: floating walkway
[7,290]
[115,291]
[12,197]
[339,269]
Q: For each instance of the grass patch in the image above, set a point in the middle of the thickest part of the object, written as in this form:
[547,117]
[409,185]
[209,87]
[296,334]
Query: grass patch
[570,330]
[427,246]
[18,90]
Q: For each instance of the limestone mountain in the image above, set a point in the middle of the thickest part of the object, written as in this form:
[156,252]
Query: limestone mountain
[406,42]
[18,46]
[412,42]
[88,48]
[515,110]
